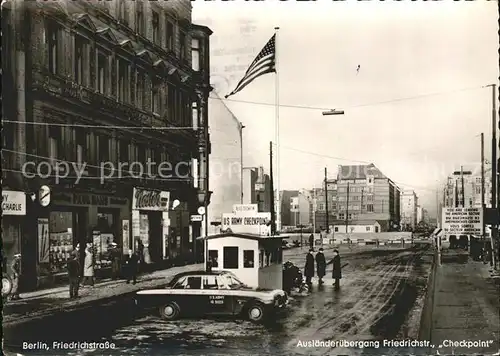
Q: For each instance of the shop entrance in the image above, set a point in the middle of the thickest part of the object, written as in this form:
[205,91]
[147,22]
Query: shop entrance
[155,236]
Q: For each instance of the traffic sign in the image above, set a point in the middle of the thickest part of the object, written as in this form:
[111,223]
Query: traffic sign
[44,195]
[196,217]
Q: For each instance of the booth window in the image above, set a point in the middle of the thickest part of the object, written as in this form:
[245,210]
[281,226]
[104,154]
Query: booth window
[248,259]
[213,255]
[231,257]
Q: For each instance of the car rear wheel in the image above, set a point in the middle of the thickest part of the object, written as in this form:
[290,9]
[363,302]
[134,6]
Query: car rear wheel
[256,313]
[170,311]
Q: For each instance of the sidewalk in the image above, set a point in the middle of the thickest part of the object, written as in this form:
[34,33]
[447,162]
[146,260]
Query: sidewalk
[466,306]
[41,303]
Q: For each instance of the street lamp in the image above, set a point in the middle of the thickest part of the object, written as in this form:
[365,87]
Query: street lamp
[203,199]
[333,112]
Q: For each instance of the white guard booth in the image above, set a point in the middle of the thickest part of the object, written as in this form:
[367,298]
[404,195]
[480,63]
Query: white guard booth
[255,259]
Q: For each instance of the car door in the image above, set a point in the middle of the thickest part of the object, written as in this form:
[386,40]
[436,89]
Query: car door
[218,300]
[189,297]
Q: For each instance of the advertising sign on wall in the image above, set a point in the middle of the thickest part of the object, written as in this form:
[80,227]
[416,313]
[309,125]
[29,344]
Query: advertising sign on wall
[462,221]
[154,200]
[43,240]
[13,203]
[245,209]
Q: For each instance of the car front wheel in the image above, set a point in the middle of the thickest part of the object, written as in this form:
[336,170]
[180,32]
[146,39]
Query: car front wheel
[256,313]
[170,311]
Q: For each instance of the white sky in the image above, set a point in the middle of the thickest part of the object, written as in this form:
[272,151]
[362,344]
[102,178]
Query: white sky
[405,49]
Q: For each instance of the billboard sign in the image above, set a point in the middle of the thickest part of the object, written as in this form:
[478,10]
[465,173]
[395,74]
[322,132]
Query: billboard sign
[462,221]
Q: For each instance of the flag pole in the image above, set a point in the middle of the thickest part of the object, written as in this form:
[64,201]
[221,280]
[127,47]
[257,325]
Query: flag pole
[277,133]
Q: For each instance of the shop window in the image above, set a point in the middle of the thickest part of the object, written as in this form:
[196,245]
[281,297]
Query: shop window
[61,240]
[231,257]
[248,258]
[106,226]
[213,256]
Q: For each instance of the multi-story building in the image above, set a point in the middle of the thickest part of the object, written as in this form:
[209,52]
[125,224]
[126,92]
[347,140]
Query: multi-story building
[107,109]
[464,189]
[364,193]
[320,210]
[257,188]
[285,201]
[409,210]
[299,209]
[226,178]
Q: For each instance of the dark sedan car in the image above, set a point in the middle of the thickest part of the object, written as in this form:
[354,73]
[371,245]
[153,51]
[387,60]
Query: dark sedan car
[201,293]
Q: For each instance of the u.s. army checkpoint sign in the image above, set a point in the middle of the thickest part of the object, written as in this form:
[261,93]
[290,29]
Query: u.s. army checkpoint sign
[462,221]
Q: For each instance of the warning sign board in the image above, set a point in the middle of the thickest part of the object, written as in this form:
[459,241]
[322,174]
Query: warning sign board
[462,221]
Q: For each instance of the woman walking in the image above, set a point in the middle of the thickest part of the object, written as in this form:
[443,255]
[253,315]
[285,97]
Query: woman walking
[88,267]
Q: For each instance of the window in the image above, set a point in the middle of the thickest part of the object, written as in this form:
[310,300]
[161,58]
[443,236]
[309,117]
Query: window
[141,84]
[139,18]
[141,154]
[341,216]
[350,217]
[210,282]
[478,190]
[81,146]
[54,139]
[104,149]
[213,256]
[248,259]
[102,72]
[369,208]
[124,151]
[81,66]
[367,228]
[123,81]
[171,103]
[155,97]
[194,108]
[478,180]
[195,54]
[182,46]
[170,36]
[53,32]
[193,282]
[231,257]
[156,27]
[336,229]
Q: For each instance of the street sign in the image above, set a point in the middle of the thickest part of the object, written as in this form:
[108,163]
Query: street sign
[196,217]
[44,195]
[462,221]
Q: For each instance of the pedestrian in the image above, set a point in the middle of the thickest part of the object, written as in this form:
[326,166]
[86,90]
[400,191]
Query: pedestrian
[337,269]
[309,268]
[132,262]
[320,265]
[115,257]
[15,267]
[140,250]
[311,241]
[74,275]
[88,267]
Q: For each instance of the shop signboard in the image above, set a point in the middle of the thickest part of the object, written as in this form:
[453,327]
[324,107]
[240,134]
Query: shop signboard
[13,203]
[257,223]
[462,221]
[87,199]
[154,200]
[43,241]
[246,209]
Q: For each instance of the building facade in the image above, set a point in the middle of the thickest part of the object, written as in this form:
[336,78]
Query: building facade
[464,189]
[286,204]
[300,209]
[365,193]
[263,191]
[226,179]
[320,203]
[409,210]
[108,110]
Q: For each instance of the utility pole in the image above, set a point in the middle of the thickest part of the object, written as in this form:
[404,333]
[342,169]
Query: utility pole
[362,193]
[314,210]
[483,206]
[273,214]
[326,202]
[347,211]
[456,193]
[494,226]
[462,180]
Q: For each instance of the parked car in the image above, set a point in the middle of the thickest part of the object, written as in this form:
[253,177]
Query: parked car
[201,293]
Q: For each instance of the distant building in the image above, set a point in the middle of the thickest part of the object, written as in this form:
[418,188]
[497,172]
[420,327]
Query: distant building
[409,210]
[365,193]
[470,195]
[300,209]
[358,226]
[285,201]
[250,177]
[420,214]
[257,188]
[320,204]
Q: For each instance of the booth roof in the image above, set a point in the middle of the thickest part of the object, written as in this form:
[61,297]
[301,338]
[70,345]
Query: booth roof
[242,236]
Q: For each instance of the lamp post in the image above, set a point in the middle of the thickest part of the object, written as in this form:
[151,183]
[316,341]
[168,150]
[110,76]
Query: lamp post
[204,199]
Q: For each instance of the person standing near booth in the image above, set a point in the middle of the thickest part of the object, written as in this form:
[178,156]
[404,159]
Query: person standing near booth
[311,242]
[337,269]
[309,268]
[320,265]
[16,274]
[88,266]
[132,262]
[74,274]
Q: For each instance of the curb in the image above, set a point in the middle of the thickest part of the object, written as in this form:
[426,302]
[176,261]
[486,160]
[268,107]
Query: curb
[425,329]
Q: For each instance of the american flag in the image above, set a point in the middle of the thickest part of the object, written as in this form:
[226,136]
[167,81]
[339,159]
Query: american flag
[264,63]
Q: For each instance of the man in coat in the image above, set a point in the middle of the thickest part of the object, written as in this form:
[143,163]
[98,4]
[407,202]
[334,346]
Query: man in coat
[74,275]
[132,263]
[337,271]
[309,268]
[115,257]
[320,265]
[311,242]
[16,273]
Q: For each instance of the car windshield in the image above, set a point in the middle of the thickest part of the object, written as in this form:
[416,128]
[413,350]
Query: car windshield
[233,282]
